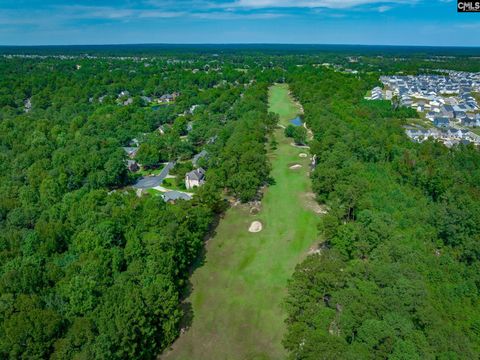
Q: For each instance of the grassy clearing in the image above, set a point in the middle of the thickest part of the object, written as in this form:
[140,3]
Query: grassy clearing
[475,130]
[422,122]
[237,294]
[153,192]
[150,172]
[171,184]
[282,104]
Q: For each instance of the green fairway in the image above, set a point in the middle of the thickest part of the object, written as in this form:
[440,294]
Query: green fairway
[237,294]
[282,104]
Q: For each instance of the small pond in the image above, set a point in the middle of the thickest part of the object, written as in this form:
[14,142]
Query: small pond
[297,121]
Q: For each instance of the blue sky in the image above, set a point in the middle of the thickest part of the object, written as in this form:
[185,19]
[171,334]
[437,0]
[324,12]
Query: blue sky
[394,22]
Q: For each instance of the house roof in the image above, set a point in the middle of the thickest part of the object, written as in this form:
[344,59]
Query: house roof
[197,174]
[441,120]
[199,156]
[175,195]
[130,150]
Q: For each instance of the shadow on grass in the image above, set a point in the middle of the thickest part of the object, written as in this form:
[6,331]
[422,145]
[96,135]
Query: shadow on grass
[271,181]
[187,290]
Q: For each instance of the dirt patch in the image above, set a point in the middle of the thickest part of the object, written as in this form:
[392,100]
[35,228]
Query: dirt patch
[255,227]
[255,207]
[295,167]
[312,204]
[254,210]
[300,146]
[315,249]
[303,155]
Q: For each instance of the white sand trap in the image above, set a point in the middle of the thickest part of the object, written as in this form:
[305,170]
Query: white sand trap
[302,155]
[255,227]
[296,167]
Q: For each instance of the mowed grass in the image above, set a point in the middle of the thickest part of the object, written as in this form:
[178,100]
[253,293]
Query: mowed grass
[237,295]
[282,104]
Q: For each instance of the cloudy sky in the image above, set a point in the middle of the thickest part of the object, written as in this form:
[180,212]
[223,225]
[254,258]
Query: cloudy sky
[394,22]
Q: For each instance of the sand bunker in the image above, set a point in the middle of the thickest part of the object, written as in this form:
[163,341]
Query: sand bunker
[303,155]
[296,167]
[255,227]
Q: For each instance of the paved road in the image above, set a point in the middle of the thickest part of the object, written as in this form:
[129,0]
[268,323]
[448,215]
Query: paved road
[149,182]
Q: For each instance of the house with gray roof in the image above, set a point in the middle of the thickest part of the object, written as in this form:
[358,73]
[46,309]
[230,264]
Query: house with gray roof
[173,196]
[131,151]
[441,122]
[195,178]
[202,154]
[132,165]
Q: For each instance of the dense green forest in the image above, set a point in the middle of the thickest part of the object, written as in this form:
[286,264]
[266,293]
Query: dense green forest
[88,270]
[398,274]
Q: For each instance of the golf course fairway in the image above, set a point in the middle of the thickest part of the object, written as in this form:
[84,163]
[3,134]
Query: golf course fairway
[237,294]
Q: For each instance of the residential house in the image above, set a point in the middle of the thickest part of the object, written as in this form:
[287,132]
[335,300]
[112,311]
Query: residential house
[27,105]
[469,122]
[447,111]
[193,108]
[195,178]
[199,156]
[131,151]
[212,140]
[167,98]
[441,122]
[146,99]
[173,196]
[162,129]
[132,165]
[135,142]
[431,115]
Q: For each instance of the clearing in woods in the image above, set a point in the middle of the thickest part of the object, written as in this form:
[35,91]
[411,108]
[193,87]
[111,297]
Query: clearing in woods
[237,294]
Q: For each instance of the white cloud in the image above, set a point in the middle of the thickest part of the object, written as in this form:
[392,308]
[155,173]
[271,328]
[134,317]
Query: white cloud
[235,15]
[67,14]
[112,13]
[330,4]
[107,12]
[384,8]
[194,9]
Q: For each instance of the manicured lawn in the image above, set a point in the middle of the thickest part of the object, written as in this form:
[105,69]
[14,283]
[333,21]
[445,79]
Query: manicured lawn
[154,192]
[150,172]
[475,130]
[237,294]
[282,104]
[422,121]
[476,95]
[171,184]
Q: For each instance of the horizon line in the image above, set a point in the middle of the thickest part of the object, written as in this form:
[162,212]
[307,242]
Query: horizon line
[240,43]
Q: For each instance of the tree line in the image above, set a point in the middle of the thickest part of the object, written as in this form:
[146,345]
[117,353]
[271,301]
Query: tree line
[88,270]
[397,275]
